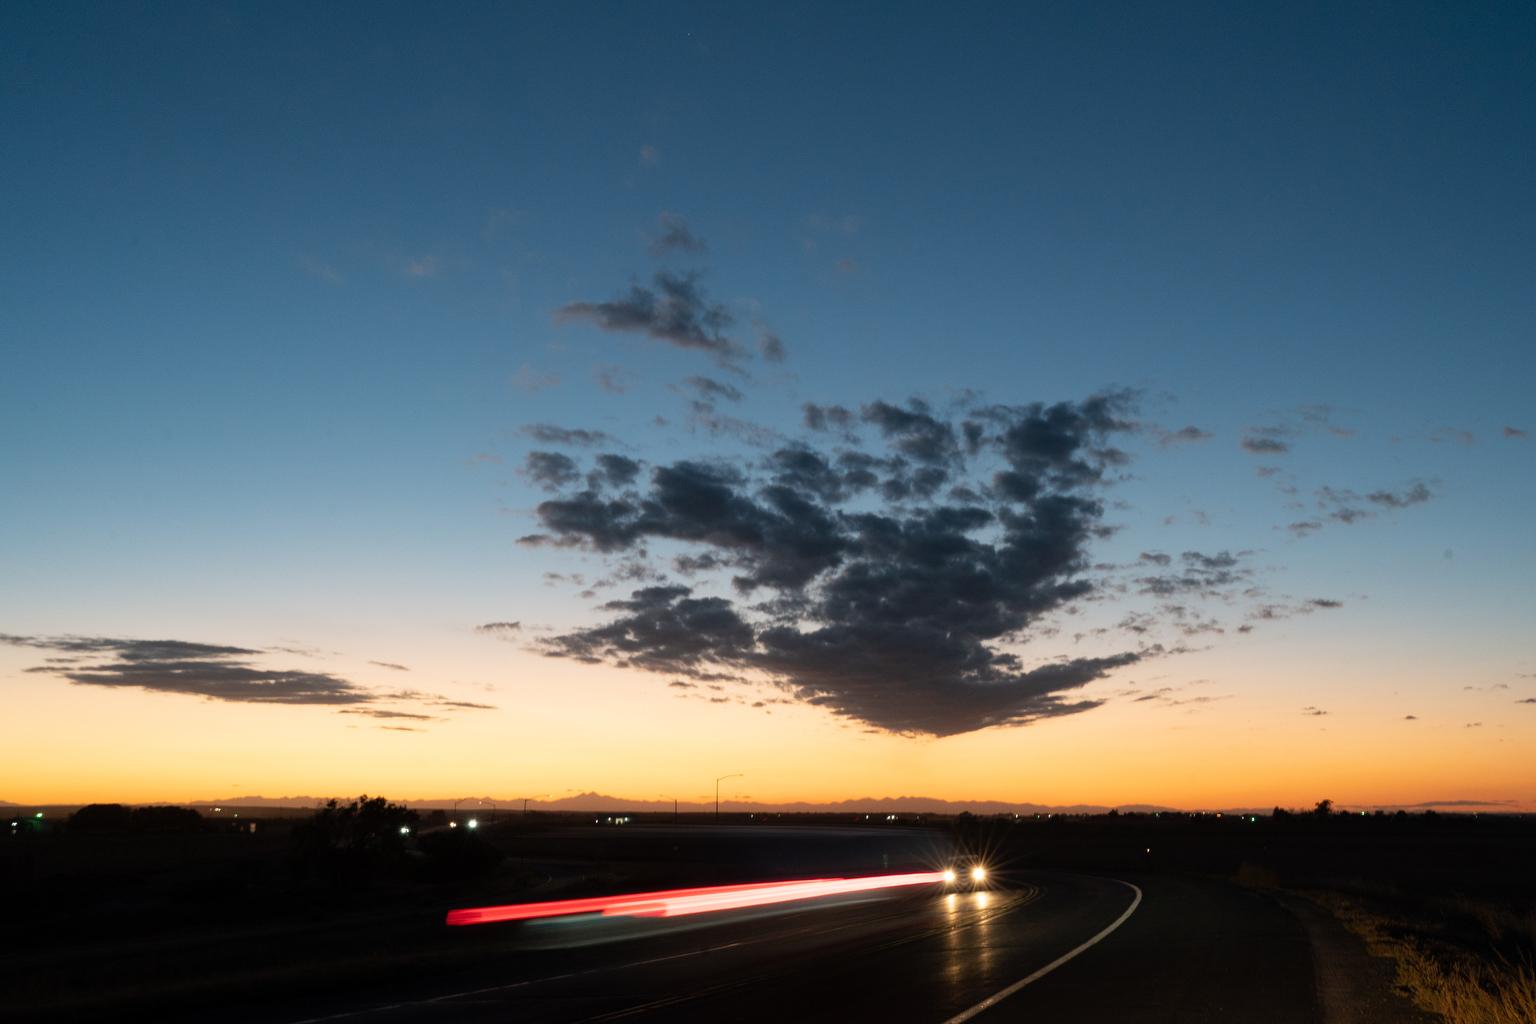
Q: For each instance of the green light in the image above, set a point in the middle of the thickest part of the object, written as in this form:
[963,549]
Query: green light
[39,814]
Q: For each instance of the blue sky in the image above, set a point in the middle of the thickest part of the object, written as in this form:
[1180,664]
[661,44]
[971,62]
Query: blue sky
[281,284]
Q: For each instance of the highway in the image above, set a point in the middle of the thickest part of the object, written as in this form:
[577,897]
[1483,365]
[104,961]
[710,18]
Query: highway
[1047,947]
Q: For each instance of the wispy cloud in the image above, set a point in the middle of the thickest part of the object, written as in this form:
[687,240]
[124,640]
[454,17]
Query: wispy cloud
[212,671]
[674,236]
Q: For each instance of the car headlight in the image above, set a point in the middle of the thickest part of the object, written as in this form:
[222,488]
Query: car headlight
[978,873]
[949,874]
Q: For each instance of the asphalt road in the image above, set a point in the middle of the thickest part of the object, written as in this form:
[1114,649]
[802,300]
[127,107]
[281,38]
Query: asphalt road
[1049,947]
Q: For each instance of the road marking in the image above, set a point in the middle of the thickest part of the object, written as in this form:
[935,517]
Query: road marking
[993,1000]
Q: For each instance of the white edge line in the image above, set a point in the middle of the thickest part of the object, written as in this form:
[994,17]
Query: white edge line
[993,1000]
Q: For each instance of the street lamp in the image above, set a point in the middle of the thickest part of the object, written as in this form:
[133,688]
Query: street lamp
[733,775]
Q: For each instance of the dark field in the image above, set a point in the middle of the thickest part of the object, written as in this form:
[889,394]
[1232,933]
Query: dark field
[179,916]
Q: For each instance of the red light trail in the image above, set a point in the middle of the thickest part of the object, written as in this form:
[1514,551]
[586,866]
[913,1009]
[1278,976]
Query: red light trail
[680,902]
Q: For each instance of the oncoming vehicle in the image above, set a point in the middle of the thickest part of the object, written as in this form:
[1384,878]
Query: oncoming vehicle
[967,872]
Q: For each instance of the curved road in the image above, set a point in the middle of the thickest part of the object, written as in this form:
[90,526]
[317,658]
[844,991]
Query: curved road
[1049,947]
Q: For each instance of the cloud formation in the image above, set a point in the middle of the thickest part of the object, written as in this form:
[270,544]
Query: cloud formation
[856,581]
[548,433]
[214,671]
[675,310]
[1265,445]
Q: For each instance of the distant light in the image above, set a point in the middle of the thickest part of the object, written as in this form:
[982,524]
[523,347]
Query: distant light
[978,872]
[949,874]
[473,823]
[39,814]
[405,830]
[453,824]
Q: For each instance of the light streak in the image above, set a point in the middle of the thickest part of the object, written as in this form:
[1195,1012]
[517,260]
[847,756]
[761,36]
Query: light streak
[681,902]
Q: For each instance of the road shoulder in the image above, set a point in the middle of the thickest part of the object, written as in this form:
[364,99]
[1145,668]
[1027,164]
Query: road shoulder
[1353,987]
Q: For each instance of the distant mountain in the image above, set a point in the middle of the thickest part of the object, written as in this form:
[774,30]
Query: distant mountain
[604,802]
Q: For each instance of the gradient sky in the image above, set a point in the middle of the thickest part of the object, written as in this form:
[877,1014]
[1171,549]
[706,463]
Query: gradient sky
[282,298]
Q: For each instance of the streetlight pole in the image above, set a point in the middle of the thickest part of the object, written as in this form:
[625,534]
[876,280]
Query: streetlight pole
[733,775]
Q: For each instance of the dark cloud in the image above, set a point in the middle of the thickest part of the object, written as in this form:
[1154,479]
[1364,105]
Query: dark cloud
[1325,602]
[1185,435]
[1526,700]
[551,470]
[204,670]
[1309,710]
[827,417]
[548,433]
[771,347]
[1410,718]
[1415,495]
[385,713]
[674,311]
[500,628]
[1515,432]
[614,470]
[1265,446]
[913,432]
[869,595]
[673,235]
[1156,557]
[213,671]
[711,389]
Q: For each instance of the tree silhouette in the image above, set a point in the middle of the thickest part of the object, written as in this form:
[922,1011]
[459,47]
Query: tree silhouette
[346,845]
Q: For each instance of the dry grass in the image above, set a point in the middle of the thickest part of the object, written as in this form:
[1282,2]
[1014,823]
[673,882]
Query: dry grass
[1440,977]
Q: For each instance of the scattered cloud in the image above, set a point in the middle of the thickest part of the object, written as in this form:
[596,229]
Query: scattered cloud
[650,156]
[548,433]
[500,628]
[1184,435]
[710,389]
[771,347]
[674,311]
[827,417]
[1341,505]
[1312,711]
[1265,445]
[1515,432]
[390,665]
[673,235]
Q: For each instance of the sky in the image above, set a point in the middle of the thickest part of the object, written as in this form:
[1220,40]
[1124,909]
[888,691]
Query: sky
[1064,405]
